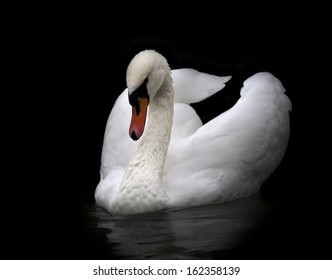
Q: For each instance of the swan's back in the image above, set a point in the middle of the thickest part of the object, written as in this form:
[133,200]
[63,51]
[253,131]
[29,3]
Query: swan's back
[233,154]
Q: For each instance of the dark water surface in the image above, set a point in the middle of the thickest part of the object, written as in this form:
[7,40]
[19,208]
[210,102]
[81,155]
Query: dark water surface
[207,232]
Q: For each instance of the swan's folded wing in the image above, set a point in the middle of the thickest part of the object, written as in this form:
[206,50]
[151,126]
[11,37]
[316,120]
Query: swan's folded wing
[204,166]
[185,121]
[233,154]
[191,86]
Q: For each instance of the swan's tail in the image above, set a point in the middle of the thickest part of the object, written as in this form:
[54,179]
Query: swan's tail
[192,86]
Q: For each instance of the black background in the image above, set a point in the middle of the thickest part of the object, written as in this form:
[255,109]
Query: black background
[62,71]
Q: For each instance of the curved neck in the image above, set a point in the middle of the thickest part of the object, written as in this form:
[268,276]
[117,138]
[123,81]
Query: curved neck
[156,138]
[146,167]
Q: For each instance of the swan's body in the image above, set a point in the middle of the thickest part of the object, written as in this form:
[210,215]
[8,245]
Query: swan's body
[178,162]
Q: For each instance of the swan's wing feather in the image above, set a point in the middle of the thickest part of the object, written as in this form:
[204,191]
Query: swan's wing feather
[238,149]
[191,86]
[185,121]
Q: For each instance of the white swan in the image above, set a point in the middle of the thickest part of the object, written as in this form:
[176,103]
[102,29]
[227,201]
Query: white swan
[177,161]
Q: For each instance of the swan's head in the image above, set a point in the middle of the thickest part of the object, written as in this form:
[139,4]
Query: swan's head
[145,74]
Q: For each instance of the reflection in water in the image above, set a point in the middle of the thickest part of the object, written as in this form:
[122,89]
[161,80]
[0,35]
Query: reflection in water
[200,232]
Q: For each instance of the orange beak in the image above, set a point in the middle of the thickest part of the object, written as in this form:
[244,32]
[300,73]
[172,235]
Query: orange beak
[138,118]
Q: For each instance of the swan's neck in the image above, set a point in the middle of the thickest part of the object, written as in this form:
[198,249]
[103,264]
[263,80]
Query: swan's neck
[142,180]
[154,144]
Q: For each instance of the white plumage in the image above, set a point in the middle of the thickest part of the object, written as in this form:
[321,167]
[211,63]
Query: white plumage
[178,162]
